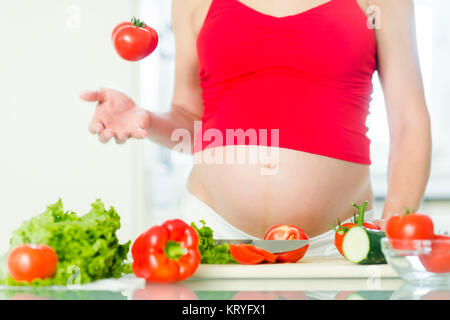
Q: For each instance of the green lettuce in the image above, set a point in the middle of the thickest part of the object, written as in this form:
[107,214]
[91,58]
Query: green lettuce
[209,251]
[87,246]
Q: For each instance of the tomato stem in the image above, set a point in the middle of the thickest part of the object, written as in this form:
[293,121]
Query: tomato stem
[361,210]
[138,23]
[174,250]
[342,230]
[332,227]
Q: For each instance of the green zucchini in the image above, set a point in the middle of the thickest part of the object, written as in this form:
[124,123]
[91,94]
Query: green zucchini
[363,246]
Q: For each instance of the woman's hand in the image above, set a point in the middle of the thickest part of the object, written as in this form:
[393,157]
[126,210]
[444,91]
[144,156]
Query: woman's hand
[116,115]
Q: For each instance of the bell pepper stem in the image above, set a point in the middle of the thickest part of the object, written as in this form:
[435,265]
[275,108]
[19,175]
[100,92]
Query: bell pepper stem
[174,250]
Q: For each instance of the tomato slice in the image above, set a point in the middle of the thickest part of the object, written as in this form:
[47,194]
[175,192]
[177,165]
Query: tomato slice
[242,254]
[283,232]
[288,232]
[268,256]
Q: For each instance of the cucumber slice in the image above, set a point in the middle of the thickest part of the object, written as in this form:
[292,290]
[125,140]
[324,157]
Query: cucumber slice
[363,246]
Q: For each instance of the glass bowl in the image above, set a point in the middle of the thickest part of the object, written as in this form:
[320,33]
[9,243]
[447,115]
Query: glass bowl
[410,291]
[423,262]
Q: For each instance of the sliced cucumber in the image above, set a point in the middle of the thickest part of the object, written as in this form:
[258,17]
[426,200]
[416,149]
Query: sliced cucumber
[363,246]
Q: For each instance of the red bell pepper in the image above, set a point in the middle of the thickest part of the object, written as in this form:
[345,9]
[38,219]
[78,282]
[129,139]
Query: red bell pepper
[166,253]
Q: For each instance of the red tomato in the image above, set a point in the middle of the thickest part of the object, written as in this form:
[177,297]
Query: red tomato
[414,226]
[242,254]
[410,226]
[438,260]
[28,262]
[339,235]
[134,40]
[288,232]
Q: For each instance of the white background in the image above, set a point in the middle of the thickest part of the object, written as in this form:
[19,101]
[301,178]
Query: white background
[50,51]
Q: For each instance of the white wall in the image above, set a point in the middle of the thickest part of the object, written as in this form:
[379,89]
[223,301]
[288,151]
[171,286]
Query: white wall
[50,50]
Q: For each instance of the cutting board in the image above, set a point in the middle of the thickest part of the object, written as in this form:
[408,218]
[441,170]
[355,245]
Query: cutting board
[306,268]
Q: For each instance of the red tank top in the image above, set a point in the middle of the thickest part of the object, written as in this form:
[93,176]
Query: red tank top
[300,82]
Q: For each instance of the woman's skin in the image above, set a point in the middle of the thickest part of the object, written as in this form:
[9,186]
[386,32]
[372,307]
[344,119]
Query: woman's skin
[306,190]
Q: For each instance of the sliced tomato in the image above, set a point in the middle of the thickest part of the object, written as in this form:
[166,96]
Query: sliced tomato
[283,232]
[268,256]
[438,260]
[288,232]
[242,254]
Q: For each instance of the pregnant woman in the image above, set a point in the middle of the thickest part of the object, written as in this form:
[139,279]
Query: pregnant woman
[300,71]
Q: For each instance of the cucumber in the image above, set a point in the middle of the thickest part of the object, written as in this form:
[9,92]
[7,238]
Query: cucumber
[363,246]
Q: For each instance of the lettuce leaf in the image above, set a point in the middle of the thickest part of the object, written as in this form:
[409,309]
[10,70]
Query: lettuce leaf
[87,246]
[209,251]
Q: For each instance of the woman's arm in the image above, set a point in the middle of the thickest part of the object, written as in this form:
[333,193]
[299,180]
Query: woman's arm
[187,105]
[408,118]
[116,115]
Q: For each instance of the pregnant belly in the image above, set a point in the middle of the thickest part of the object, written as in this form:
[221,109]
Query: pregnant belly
[283,187]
